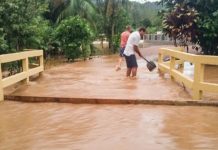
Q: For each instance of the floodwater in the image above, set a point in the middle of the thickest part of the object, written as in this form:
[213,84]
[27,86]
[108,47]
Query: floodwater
[97,78]
[58,126]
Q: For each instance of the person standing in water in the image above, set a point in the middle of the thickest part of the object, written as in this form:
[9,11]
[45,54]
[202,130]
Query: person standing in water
[131,48]
[123,40]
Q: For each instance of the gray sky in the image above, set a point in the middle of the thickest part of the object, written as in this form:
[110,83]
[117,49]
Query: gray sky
[142,1]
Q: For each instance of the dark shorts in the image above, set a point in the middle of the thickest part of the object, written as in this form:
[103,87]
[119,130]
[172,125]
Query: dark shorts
[121,51]
[131,61]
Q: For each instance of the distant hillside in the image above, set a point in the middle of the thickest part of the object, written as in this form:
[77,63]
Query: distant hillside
[147,10]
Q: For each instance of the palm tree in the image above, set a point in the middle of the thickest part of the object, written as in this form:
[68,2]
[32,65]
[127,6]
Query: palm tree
[60,9]
[82,8]
[106,13]
[111,11]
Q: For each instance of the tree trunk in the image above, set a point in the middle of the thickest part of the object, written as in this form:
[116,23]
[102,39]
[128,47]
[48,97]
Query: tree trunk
[174,42]
[17,45]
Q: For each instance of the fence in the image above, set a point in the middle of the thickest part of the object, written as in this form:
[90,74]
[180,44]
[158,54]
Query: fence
[197,84]
[157,37]
[26,70]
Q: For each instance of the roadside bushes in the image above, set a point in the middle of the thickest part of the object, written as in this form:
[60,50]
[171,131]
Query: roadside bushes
[194,21]
[21,23]
[3,44]
[74,35]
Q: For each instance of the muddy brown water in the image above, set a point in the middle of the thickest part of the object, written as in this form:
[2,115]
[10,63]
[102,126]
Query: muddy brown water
[58,126]
[97,78]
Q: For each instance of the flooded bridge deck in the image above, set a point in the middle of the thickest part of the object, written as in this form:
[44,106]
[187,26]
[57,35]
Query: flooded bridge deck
[89,127]
[96,81]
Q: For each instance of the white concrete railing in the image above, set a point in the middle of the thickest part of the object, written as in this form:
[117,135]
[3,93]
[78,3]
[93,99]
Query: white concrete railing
[156,37]
[25,74]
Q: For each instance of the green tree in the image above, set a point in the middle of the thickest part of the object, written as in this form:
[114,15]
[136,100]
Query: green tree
[75,36]
[61,9]
[3,45]
[207,24]
[181,24]
[147,10]
[113,13]
[146,22]
[19,20]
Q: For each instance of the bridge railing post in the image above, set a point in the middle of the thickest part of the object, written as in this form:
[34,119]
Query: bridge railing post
[1,85]
[160,60]
[172,66]
[26,71]
[25,65]
[41,63]
[198,78]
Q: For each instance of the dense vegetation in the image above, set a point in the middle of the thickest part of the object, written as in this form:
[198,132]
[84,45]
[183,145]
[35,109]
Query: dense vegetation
[21,24]
[69,26]
[74,35]
[193,20]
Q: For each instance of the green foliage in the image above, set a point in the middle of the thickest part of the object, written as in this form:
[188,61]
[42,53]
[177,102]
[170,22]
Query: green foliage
[146,22]
[145,15]
[86,50]
[61,9]
[207,24]
[74,35]
[209,38]
[21,22]
[181,23]
[116,42]
[152,30]
[24,26]
[106,17]
[82,8]
[42,34]
[114,12]
[122,19]
[3,45]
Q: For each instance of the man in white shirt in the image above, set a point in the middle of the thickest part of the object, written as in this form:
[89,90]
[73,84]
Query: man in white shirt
[131,48]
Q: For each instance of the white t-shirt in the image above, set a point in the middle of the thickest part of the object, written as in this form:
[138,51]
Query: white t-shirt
[133,39]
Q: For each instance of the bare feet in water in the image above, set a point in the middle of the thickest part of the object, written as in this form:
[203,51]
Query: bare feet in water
[118,68]
[132,78]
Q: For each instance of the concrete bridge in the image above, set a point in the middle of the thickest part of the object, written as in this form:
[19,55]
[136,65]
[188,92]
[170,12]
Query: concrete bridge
[96,81]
